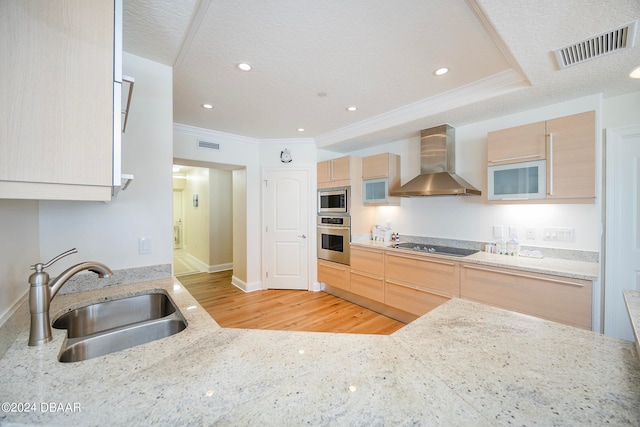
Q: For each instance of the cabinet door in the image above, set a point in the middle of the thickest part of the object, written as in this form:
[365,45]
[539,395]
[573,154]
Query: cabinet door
[550,297]
[368,260]
[324,170]
[571,162]
[519,144]
[367,285]
[432,274]
[56,103]
[376,166]
[411,300]
[341,169]
[334,274]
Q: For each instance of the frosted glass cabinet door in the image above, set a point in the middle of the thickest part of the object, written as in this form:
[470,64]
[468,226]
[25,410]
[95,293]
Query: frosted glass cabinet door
[376,190]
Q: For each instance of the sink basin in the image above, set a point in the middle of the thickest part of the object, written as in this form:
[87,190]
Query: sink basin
[78,349]
[107,315]
[107,327]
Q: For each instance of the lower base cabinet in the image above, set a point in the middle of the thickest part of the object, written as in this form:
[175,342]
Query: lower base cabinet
[367,285]
[334,274]
[411,300]
[560,299]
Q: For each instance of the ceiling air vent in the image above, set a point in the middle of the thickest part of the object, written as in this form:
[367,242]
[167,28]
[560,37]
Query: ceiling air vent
[620,38]
[209,145]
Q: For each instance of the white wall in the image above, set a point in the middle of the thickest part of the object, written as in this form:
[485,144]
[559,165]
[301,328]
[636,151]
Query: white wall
[109,232]
[471,217]
[221,217]
[19,248]
[621,110]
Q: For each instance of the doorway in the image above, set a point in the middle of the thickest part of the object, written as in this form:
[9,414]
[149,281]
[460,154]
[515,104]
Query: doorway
[203,219]
[622,238]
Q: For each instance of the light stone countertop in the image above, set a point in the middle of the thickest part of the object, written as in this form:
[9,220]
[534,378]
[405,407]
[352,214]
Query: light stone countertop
[632,300]
[554,266]
[464,363]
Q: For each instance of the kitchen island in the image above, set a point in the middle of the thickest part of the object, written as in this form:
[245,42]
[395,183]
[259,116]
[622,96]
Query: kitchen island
[463,363]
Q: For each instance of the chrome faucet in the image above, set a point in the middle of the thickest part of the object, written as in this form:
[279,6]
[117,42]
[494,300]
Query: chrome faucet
[42,292]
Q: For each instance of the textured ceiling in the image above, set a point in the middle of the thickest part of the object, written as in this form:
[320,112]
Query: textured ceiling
[375,54]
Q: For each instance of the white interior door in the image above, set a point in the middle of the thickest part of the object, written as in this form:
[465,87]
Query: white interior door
[622,242]
[286,230]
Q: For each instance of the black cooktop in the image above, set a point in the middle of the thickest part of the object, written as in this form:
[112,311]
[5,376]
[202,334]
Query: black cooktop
[433,249]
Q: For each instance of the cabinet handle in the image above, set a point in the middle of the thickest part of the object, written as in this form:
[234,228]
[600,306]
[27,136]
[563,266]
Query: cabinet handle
[370,276]
[526,276]
[550,164]
[415,288]
[510,159]
[426,259]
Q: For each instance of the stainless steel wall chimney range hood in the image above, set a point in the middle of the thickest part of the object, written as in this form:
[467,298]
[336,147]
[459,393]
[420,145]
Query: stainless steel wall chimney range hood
[437,167]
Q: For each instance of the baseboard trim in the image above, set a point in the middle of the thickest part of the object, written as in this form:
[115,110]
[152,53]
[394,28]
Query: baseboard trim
[244,286]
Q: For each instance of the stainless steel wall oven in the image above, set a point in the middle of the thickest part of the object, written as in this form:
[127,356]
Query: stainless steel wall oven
[334,235]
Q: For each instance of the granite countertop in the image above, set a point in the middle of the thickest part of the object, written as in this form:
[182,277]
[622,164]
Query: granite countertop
[463,363]
[558,267]
[632,300]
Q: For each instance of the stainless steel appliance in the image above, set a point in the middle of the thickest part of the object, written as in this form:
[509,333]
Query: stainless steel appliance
[433,249]
[334,235]
[333,201]
[518,181]
[437,167]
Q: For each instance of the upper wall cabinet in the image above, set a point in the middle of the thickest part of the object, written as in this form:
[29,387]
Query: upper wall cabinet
[519,144]
[334,173]
[380,175]
[550,161]
[57,99]
[571,157]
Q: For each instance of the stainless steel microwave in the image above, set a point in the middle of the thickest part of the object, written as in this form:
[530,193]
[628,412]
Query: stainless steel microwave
[333,201]
[517,181]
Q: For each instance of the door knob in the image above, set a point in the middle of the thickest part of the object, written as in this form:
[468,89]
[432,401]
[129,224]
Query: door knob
[304,236]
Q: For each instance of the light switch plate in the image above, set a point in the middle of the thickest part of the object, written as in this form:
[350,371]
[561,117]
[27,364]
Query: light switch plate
[144,245]
[497,231]
[530,233]
[513,232]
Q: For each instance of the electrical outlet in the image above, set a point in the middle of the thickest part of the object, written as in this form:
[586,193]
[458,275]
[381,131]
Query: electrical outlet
[530,233]
[513,232]
[497,232]
[144,245]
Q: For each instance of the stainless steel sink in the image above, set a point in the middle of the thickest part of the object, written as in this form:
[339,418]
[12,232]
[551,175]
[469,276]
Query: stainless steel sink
[102,316]
[107,327]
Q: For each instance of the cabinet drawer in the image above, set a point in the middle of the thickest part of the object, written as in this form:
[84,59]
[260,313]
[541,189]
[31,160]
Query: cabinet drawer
[430,274]
[554,298]
[334,274]
[411,300]
[367,260]
[367,285]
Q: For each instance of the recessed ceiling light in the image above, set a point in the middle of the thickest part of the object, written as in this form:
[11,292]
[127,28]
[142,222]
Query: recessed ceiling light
[441,71]
[207,106]
[244,66]
[300,129]
[352,108]
[635,74]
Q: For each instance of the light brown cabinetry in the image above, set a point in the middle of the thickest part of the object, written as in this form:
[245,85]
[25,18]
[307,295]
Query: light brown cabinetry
[566,143]
[554,298]
[56,101]
[571,157]
[367,273]
[334,173]
[418,284]
[334,274]
[518,144]
[380,176]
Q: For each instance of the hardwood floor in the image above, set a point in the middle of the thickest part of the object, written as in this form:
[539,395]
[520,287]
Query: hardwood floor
[282,309]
